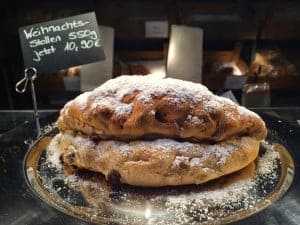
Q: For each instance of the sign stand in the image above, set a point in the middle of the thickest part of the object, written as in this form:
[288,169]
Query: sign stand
[30,74]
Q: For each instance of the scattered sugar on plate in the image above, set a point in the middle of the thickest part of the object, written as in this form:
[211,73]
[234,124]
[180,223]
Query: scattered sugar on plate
[53,153]
[266,162]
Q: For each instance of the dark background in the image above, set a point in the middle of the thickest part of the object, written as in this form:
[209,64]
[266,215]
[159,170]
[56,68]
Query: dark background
[271,25]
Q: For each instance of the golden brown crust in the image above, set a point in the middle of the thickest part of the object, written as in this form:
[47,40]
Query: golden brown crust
[131,108]
[161,162]
[135,107]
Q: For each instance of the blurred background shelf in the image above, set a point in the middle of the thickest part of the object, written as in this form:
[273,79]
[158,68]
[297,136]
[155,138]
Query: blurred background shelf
[261,38]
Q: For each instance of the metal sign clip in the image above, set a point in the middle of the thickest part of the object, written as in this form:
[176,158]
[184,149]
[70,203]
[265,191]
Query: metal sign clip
[30,74]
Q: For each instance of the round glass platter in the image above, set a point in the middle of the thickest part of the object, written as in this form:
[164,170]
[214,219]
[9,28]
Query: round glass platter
[88,196]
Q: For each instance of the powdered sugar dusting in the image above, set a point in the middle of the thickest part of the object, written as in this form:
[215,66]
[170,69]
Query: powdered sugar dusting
[74,180]
[265,164]
[53,153]
[112,92]
[114,105]
[122,95]
[149,86]
[179,160]
[203,153]
[81,100]
[195,120]
[195,161]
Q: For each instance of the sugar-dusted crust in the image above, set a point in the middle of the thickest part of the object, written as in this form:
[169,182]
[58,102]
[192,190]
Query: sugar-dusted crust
[160,162]
[135,107]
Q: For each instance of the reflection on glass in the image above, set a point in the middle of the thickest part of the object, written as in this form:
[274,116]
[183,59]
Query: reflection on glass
[256,95]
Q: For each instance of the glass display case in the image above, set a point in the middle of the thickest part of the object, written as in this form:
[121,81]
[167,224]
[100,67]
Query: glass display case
[248,50]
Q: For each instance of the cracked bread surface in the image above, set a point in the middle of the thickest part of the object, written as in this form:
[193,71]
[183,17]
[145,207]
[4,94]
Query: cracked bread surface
[161,162]
[137,107]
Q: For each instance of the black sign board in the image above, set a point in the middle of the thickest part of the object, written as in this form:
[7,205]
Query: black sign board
[62,43]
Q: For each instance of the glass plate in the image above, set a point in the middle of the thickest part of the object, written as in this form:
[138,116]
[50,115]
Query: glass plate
[87,196]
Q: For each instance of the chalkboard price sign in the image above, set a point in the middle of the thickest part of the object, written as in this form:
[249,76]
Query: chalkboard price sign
[61,43]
